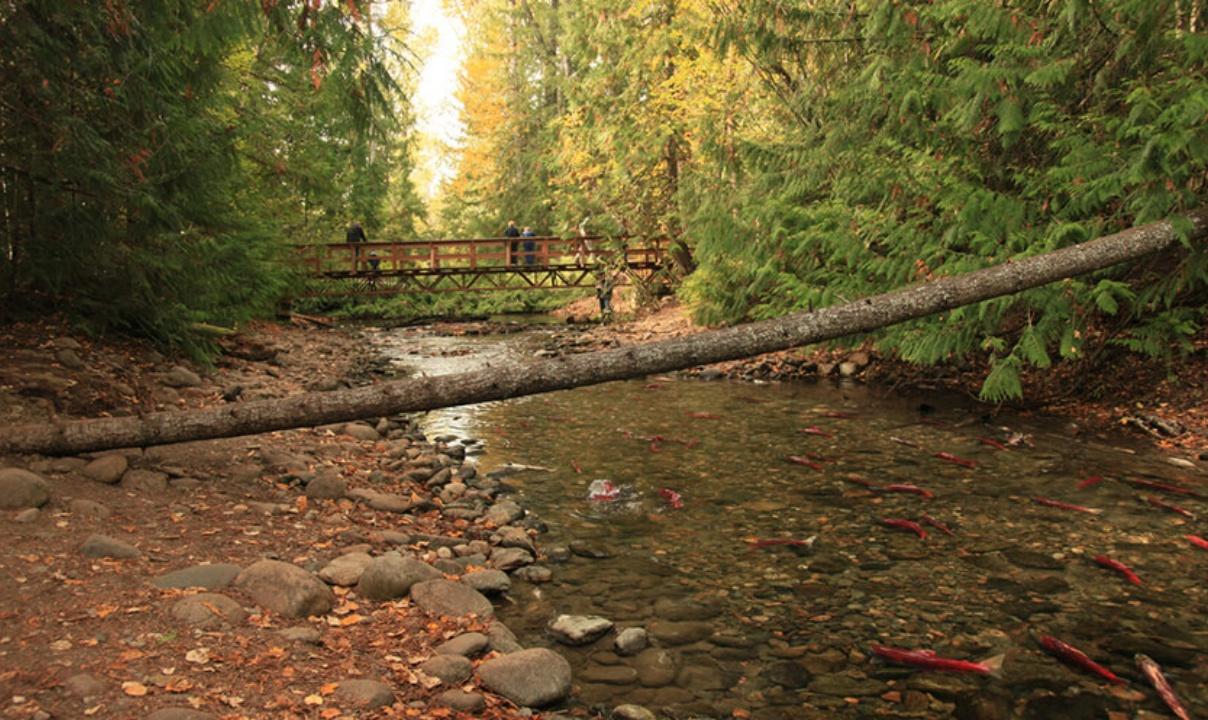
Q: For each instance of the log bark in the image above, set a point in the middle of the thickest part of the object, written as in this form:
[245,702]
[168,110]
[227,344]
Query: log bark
[508,381]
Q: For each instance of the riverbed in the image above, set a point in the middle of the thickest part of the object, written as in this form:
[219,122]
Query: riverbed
[764,592]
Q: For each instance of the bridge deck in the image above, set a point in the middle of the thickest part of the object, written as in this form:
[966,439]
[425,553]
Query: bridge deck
[480,264]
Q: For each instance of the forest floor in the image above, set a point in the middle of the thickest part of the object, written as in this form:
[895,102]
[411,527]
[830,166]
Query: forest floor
[83,635]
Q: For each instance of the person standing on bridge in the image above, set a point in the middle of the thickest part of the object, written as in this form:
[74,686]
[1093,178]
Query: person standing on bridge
[529,246]
[354,237]
[513,245]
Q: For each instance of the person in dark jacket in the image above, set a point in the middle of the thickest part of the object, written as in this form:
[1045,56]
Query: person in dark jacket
[513,246]
[355,236]
[529,246]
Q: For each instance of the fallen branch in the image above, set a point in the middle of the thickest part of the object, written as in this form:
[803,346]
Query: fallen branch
[510,380]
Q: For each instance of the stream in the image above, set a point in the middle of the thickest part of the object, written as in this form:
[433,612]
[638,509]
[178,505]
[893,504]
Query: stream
[746,628]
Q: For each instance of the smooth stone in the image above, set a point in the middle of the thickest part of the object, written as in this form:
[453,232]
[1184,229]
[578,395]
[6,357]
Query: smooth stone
[467,645]
[632,641]
[27,515]
[327,486]
[89,508]
[703,674]
[391,576]
[503,513]
[841,685]
[506,559]
[578,629]
[586,550]
[346,570]
[208,610]
[386,502]
[608,674]
[20,489]
[656,667]
[361,431]
[488,581]
[106,469]
[180,376]
[461,701]
[210,577]
[449,669]
[145,481]
[364,694]
[535,574]
[514,537]
[178,713]
[446,597]
[680,633]
[301,633]
[84,685]
[286,589]
[667,609]
[529,678]
[791,675]
[503,639]
[103,546]
[631,712]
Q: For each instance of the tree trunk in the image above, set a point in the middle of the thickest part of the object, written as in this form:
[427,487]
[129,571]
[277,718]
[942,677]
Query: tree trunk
[508,381]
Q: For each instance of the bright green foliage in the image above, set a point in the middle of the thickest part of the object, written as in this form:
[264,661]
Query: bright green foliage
[156,156]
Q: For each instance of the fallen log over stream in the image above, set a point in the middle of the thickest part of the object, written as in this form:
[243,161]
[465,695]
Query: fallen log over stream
[508,381]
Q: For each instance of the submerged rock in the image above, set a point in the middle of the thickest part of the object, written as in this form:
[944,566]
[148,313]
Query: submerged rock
[578,629]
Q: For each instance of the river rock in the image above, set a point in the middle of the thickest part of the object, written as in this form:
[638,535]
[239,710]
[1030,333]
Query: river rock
[107,469]
[449,669]
[84,685]
[703,673]
[364,694]
[148,482]
[503,513]
[301,633]
[326,486]
[656,667]
[469,644]
[285,589]
[790,675]
[20,489]
[461,701]
[386,502]
[529,678]
[103,546]
[488,581]
[392,575]
[589,550]
[1031,559]
[632,641]
[506,559]
[514,537]
[631,712]
[180,376]
[502,638]
[446,597]
[680,633]
[841,685]
[208,610]
[608,674]
[346,570]
[679,610]
[361,431]
[578,629]
[535,574]
[89,508]
[210,577]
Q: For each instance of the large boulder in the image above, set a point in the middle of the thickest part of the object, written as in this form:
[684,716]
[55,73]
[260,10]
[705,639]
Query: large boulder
[210,577]
[392,575]
[529,678]
[20,489]
[286,589]
[445,597]
[107,469]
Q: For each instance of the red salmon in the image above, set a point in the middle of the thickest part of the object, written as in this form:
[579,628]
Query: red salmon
[1073,656]
[908,488]
[1153,673]
[905,524]
[992,443]
[903,441]
[576,467]
[1050,502]
[928,660]
[814,430]
[1160,503]
[798,460]
[1198,541]
[1092,480]
[703,416]
[1164,487]
[674,499]
[1119,567]
[949,457]
[928,520]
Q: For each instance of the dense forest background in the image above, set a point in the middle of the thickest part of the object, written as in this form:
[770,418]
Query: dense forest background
[809,151]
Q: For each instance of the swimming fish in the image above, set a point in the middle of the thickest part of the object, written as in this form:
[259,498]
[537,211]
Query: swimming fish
[903,441]
[928,520]
[1073,656]
[758,543]
[907,488]
[854,478]
[1164,487]
[1092,480]
[1119,567]
[1050,502]
[949,457]
[905,524]
[928,660]
[1197,541]
[798,460]
[603,491]
[575,466]
[837,414]
[992,443]
[814,430]
[1159,502]
[674,499]
[704,416]
[1153,673]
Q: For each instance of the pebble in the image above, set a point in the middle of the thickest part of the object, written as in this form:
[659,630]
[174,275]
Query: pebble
[632,641]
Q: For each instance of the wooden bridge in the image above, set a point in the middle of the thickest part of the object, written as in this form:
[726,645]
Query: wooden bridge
[481,264]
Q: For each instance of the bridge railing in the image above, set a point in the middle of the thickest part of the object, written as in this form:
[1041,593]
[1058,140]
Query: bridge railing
[474,255]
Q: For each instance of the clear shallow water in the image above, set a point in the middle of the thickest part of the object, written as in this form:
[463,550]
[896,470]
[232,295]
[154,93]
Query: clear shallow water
[775,633]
